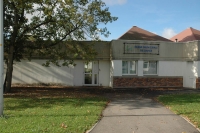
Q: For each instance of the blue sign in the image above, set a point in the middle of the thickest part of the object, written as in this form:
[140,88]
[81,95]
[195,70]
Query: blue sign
[141,48]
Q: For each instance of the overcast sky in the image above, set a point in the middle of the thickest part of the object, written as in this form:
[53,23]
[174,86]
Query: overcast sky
[162,17]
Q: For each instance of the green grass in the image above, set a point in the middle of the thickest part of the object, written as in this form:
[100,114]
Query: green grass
[187,105]
[50,115]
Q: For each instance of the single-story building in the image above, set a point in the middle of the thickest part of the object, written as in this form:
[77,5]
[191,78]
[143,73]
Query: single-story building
[137,59]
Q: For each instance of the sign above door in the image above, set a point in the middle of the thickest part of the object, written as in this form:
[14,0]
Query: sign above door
[138,48]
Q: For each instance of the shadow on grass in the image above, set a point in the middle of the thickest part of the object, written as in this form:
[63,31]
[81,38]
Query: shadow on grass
[180,99]
[18,104]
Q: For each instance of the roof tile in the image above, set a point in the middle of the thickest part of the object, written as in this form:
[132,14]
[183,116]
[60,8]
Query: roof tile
[189,34]
[136,33]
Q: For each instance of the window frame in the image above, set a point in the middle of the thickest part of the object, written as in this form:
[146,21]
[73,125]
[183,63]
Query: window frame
[129,68]
[148,66]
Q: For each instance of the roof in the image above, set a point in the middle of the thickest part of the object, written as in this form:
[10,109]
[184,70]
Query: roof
[136,33]
[190,34]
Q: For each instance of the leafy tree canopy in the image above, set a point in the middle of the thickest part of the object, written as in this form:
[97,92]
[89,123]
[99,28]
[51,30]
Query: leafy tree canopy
[41,26]
[46,23]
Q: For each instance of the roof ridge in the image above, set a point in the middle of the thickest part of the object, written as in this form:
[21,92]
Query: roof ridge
[125,32]
[191,30]
[195,33]
[188,34]
[148,31]
[137,33]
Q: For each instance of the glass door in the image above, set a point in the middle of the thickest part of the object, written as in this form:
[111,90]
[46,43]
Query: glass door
[91,70]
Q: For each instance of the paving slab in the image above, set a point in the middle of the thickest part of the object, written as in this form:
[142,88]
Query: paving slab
[132,113]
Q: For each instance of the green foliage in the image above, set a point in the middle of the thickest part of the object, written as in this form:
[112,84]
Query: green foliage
[52,115]
[187,105]
[49,28]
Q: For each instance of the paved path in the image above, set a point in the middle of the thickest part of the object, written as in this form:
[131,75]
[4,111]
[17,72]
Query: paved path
[133,113]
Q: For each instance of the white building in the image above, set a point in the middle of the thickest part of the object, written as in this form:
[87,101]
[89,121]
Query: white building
[137,59]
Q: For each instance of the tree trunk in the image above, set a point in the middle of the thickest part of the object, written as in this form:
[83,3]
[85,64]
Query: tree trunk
[8,79]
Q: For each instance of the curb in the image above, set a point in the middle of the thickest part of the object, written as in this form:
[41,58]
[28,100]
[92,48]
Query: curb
[189,122]
[88,131]
[155,99]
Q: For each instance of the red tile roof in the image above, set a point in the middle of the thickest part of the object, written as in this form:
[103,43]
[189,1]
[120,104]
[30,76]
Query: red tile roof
[189,34]
[136,33]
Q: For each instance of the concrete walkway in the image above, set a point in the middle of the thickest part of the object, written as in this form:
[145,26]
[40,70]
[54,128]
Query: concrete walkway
[132,113]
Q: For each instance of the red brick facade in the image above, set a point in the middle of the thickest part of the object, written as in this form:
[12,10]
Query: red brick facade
[119,82]
[198,83]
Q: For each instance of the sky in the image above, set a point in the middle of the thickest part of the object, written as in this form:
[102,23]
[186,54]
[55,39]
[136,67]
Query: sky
[162,17]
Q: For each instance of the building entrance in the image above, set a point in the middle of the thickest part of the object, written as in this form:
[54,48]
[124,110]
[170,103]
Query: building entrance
[91,73]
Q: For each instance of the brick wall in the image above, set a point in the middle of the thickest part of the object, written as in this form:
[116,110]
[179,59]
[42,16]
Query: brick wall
[147,82]
[198,83]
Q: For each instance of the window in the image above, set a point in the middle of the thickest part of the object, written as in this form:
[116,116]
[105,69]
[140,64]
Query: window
[150,67]
[88,73]
[91,73]
[129,67]
[88,67]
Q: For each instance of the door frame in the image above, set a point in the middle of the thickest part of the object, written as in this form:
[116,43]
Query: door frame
[95,71]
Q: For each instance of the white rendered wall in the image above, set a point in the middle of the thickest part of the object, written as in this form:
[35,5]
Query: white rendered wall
[78,73]
[117,67]
[189,71]
[140,68]
[111,73]
[104,73]
[30,72]
[26,72]
[190,74]
[165,68]
[198,68]
[170,68]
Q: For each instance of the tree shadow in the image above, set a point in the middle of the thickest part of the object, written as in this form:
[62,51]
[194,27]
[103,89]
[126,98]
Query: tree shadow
[19,104]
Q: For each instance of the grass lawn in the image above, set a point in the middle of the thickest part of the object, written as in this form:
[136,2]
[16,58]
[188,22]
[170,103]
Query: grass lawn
[63,114]
[187,105]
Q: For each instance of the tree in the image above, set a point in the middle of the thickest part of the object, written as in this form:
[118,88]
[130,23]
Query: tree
[39,27]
